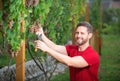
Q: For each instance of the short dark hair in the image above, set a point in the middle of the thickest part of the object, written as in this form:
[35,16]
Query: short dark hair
[87,25]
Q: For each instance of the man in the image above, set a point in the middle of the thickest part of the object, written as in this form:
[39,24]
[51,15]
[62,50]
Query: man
[82,60]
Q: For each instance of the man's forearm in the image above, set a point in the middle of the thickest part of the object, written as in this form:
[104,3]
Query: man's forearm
[60,57]
[59,48]
[48,42]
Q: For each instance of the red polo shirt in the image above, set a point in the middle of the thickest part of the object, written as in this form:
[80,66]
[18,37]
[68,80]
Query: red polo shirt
[89,73]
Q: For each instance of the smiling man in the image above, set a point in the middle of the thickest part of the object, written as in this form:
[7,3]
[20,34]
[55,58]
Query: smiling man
[82,60]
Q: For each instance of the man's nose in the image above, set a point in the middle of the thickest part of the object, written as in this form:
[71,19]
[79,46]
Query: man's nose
[79,35]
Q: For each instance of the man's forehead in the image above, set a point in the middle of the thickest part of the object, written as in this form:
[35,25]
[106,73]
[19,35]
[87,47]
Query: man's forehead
[81,28]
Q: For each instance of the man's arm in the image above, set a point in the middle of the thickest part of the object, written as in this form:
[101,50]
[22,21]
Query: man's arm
[76,61]
[59,48]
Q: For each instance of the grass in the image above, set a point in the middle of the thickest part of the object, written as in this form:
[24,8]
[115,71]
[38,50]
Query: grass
[110,61]
[61,77]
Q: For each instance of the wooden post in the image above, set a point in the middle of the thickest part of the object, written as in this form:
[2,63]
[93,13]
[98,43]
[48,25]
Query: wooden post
[20,59]
[98,37]
[87,12]
[73,29]
[98,42]
[0,4]
[87,19]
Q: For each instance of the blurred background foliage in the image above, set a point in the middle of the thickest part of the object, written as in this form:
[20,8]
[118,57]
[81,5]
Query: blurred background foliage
[111,21]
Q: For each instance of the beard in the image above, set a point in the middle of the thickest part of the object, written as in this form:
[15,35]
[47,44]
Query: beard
[81,42]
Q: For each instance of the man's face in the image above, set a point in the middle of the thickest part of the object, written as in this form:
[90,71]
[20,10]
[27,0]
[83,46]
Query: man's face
[82,36]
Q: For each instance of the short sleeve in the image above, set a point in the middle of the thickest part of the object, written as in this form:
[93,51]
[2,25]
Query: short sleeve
[71,50]
[91,57]
[67,48]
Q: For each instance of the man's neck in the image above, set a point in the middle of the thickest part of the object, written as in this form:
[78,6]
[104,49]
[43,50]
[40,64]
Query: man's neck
[83,47]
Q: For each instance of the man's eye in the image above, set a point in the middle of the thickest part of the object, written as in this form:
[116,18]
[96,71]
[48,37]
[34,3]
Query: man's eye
[76,33]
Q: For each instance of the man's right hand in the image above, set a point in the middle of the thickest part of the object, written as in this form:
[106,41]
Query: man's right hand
[38,29]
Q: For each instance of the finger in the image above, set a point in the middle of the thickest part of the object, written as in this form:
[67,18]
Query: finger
[38,43]
[36,49]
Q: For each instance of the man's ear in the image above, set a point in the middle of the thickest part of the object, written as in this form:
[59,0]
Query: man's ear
[90,35]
